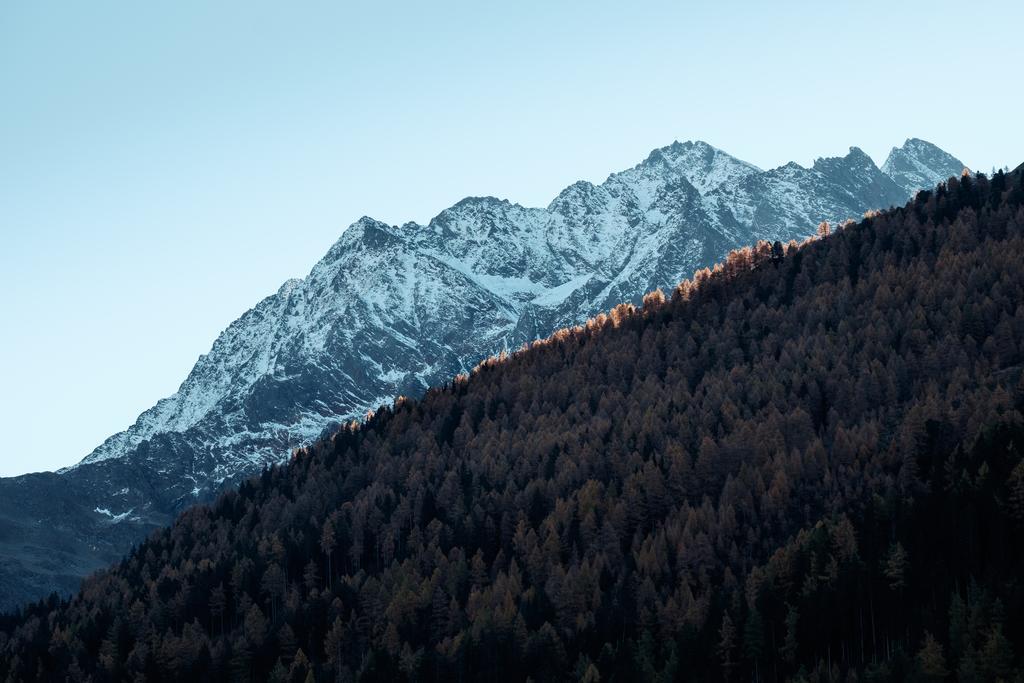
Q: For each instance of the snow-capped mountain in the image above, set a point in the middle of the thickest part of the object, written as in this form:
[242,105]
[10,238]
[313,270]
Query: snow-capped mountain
[918,164]
[391,310]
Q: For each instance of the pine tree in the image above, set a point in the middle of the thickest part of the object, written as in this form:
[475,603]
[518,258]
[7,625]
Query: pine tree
[930,660]
[279,674]
[958,635]
[334,644]
[255,626]
[896,566]
[1016,489]
[997,655]
[311,576]
[753,636]
[327,543]
[790,645]
[218,604]
[727,645]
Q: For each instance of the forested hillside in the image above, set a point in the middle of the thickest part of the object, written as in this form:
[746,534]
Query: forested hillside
[804,465]
[393,310]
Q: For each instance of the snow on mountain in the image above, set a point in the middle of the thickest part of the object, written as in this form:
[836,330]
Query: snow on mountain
[919,164]
[391,310]
[781,203]
[704,166]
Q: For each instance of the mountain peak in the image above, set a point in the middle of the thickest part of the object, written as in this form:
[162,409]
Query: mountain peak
[367,231]
[919,163]
[701,164]
[854,158]
[676,148]
[289,286]
[919,144]
[480,202]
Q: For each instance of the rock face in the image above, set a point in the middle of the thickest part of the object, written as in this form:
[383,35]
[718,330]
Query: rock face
[919,164]
[391,310]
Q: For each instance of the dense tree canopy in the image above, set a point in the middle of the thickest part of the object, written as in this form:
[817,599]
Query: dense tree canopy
[805,464]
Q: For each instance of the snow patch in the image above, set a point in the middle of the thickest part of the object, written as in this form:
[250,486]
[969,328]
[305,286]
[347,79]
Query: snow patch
[114,519]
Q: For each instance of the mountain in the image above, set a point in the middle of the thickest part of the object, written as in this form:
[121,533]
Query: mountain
[804,465]
[918,164]
[392,310]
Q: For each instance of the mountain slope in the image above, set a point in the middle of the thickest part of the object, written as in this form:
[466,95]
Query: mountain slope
[802,464]
[918,164]
[781,203]
[391,310]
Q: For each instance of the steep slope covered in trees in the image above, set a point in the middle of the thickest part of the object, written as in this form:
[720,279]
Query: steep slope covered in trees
[805,464]
[393,310]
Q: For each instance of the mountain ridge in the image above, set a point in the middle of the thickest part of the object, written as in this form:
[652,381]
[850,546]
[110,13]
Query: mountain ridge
[392,310]
[798,465]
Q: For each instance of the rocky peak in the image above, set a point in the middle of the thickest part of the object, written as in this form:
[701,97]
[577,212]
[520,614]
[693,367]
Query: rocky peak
[703,166]
[920,164]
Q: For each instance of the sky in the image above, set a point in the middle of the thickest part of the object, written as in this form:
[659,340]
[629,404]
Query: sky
[164,166]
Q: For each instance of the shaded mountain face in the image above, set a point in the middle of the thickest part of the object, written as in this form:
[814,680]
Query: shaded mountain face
[392,310]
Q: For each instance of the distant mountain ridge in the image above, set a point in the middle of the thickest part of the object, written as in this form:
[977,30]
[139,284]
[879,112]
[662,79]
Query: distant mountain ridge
[391,310]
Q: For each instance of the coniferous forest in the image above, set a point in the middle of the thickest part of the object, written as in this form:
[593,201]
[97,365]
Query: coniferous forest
[807,465]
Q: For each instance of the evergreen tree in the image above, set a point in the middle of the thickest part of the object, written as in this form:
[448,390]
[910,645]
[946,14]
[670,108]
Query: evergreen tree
[930,660]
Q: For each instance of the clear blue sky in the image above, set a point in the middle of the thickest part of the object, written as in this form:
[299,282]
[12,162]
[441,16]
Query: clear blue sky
[165,165]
